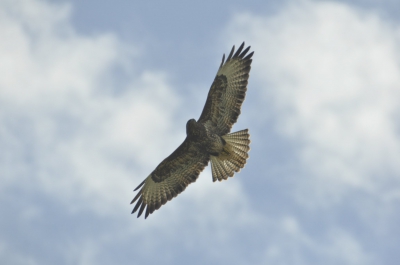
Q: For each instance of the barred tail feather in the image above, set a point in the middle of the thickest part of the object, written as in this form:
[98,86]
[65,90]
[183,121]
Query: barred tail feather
[233,157]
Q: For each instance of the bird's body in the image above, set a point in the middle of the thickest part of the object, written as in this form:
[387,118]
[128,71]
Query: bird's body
[207,139]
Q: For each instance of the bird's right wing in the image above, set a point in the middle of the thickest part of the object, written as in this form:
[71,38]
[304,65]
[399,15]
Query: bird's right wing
[170,177]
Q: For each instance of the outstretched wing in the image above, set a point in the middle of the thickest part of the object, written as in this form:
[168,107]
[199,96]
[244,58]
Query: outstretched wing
[170,177]
[228,91]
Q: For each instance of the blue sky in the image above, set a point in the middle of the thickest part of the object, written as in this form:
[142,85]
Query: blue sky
[94,94]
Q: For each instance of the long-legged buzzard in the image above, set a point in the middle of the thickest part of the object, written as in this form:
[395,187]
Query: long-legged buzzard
[207,139]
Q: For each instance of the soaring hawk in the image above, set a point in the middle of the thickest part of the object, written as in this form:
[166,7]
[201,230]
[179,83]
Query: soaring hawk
[207,139]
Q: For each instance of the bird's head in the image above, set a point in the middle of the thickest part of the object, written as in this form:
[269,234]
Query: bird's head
[191,127]
[190,123]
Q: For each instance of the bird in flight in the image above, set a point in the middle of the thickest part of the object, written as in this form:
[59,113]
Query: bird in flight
[207,139]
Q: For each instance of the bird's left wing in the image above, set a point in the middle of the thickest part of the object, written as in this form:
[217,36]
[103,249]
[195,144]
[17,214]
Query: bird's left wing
[228,91]
[170,177]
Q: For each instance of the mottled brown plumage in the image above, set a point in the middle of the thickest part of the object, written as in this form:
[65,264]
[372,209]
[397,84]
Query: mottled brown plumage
[207,139]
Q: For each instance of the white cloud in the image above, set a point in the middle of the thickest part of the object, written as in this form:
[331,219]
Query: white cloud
[63,132]
[330,74]
[7,256]
[68,133]
[74,133]
[293,244]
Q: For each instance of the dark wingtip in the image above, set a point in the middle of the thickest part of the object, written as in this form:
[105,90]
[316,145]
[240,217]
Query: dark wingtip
[141,209]
[239,50]
[231,53]
[140,201]
[240,53]
[223,60]
[249,56]
[244,52]
[140,185]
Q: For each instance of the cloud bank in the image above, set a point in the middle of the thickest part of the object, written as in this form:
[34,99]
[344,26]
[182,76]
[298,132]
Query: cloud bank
[331,76]
[82,124]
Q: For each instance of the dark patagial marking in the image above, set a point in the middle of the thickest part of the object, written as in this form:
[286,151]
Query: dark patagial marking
[221,83]
[217,89]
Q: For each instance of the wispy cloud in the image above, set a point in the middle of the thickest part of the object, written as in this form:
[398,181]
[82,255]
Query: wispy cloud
[81,126]
[64,131]
[328,81]
[331,75]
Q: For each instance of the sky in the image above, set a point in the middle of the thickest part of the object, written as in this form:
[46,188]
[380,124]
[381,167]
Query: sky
[94,94]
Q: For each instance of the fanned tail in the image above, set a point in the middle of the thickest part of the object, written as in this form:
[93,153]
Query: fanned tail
[233,157]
